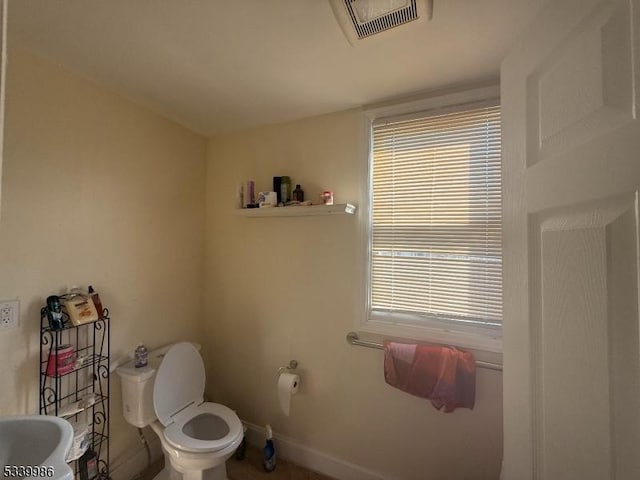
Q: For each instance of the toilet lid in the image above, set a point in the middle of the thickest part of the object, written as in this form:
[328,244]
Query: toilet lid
[179,381]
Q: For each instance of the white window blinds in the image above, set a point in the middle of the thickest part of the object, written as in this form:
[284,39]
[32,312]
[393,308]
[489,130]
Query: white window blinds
[436,221]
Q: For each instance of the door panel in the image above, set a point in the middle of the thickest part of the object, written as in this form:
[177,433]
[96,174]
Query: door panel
[584,87]
[587,338]
[571,163]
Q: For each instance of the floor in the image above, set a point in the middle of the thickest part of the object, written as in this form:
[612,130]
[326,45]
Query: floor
[251,469]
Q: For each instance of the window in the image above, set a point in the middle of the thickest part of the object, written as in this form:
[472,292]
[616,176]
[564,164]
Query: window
[435,251]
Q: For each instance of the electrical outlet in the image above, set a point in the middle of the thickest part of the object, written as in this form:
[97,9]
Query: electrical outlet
[9,314]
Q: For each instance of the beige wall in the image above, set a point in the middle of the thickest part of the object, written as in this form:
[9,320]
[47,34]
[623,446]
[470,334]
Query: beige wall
[96,190]
[284,288]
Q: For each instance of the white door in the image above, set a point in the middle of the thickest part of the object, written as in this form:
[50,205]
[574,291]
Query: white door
[571,98]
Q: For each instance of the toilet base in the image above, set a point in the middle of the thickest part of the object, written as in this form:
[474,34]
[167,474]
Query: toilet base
[181,465]
[218,473]
[171,471]
[164,474]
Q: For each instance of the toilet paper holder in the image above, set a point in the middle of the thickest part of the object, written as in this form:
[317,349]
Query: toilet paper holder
[293,364]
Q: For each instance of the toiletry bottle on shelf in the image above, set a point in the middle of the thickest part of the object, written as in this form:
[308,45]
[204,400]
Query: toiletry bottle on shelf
[79,307]
[88,465]
[298,194]
[54,312]
[277,182]
[249,193]
[269,452]
[141,356]
[327,198]
[285,189]
[96,301]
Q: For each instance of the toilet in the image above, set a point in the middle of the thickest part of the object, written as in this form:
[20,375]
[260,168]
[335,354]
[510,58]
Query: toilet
[197,437]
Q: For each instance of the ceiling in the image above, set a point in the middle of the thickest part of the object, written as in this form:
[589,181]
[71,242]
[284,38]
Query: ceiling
[223,65]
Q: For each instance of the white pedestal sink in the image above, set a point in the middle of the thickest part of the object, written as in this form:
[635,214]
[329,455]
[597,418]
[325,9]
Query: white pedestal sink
[35,447]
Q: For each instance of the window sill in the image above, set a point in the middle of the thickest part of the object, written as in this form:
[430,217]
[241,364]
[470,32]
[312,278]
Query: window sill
[464,339]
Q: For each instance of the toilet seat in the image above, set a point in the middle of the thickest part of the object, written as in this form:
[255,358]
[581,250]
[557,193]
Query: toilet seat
[177,437]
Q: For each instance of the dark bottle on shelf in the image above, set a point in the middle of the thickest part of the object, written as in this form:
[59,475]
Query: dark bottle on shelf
[285,189]
[88,465]
[298,194]
[277,181]
[54,312]
[96,301]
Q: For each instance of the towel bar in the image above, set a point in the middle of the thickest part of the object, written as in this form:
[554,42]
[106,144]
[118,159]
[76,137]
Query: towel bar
[352,338]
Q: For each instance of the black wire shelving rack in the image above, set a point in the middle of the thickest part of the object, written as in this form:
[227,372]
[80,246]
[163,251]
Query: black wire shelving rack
[89,378]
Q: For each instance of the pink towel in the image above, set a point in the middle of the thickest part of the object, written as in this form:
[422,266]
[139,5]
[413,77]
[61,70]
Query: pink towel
[445,375]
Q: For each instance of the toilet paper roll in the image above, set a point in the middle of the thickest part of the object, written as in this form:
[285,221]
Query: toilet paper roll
[287,385]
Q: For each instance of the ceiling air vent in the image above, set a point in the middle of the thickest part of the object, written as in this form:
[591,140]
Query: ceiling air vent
[360,19]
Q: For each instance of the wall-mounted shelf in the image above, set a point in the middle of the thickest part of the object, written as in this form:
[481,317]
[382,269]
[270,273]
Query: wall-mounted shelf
[299,211]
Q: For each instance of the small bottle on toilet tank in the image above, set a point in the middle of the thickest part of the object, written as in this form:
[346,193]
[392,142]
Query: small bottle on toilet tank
[141,356]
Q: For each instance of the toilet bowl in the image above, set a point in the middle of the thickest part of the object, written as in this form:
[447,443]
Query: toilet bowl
[197,437]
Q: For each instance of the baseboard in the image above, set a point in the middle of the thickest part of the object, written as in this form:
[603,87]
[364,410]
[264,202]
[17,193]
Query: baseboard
[132,465]
[307,457]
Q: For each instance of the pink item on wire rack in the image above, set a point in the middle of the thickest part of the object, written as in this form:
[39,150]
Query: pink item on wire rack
[61,360]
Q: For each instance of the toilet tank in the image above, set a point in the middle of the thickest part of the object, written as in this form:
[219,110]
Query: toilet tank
[137,389]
